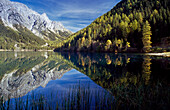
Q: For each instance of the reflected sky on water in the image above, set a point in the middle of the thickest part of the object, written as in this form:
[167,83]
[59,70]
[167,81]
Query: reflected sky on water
[72,80]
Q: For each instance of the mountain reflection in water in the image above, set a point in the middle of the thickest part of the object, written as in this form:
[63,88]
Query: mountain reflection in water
[22,72]
[84,81]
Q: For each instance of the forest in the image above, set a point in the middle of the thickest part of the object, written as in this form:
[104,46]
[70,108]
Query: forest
[131,26]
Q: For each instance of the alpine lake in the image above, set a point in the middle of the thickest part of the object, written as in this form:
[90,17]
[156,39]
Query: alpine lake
[83,81]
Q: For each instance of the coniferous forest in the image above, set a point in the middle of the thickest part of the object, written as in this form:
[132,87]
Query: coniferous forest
[131,26]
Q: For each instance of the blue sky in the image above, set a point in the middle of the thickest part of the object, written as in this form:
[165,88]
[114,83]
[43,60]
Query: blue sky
[73,14]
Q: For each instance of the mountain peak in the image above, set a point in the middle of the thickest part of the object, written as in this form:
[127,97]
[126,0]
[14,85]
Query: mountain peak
[44,15]
[14,13]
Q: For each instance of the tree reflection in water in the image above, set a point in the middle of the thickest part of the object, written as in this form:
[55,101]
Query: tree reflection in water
[128,77]
[130,81]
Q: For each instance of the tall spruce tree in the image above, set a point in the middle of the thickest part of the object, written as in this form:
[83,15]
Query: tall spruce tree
[146,39]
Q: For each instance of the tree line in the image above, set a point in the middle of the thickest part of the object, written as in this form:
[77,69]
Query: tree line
[131,25]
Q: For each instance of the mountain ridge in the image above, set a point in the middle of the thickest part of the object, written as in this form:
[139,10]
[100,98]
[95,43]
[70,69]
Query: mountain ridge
[18,16]
[17,13]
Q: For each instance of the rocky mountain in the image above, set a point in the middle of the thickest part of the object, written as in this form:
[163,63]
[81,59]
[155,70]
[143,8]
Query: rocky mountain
[17,15]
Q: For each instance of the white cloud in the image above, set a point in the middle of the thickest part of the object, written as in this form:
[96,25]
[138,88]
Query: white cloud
[73,28]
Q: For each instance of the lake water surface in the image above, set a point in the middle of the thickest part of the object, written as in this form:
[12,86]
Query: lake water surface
[48,80]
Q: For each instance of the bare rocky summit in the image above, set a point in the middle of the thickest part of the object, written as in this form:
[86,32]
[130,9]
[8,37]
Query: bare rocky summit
[14,13]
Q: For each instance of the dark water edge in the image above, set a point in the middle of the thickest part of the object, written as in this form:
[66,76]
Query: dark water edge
[137,81]
[121,81]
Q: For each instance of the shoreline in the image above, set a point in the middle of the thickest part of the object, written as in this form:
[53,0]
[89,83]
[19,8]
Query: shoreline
[164,54]
[23,50]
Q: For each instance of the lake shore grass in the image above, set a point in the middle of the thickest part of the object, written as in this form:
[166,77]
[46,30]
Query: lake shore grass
[122,96]
[77,98]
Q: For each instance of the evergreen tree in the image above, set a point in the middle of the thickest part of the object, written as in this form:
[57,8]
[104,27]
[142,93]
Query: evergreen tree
[134,25]
[146,39]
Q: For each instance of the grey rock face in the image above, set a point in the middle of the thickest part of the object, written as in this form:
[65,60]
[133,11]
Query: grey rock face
[12,86]
[13,13]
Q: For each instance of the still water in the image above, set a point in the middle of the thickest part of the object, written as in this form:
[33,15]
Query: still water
[47,80]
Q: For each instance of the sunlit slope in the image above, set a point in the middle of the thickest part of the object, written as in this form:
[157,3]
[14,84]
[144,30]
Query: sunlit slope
[139,24]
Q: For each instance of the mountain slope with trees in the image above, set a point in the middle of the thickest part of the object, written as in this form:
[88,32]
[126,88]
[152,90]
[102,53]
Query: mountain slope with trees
[132,25]
[25,39]
[21,26]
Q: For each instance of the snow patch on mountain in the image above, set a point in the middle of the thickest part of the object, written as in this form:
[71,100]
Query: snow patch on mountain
[14,13]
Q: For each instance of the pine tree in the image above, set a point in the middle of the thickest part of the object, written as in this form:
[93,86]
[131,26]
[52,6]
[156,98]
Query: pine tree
[89,31]
[82,40]
[140,17]
[146,39]
[69,46]
[78,44]
[134,25]
[90,40]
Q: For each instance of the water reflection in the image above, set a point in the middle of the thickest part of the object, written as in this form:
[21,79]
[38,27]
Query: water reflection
[146,67]
[136,81]
[24,72]
[122,81]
